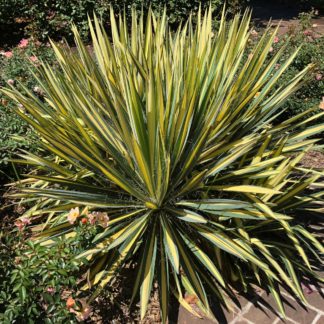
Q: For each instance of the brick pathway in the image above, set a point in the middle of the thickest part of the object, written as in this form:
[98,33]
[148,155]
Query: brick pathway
[262,310]
[286,25]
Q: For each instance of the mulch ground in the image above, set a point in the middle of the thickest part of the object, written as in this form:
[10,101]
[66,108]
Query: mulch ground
[313,159]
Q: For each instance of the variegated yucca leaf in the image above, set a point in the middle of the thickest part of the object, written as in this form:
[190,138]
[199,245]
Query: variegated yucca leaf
[171,134]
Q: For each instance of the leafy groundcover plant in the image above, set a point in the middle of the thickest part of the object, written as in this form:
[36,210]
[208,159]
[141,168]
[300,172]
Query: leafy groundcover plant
[18,65]
[170,136]
[33,280]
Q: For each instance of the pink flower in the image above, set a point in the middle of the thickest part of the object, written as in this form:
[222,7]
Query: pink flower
[318,76]
[19,225]
[11,81]
[73,215]
[276,40]
[271,49]
[92,218]
[50,290]
[25,220]
[277,66]
[23,43]
[34,58]
[307,32]
[8,54]
[103,219]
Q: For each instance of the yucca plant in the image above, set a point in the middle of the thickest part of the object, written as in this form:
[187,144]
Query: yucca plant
[171,136]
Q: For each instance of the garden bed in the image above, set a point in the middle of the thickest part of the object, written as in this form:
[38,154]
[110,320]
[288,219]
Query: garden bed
[40,282]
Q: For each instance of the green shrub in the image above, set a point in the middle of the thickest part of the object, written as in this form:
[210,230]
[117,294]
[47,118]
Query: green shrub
[35,280]
[15,134]
[311,93]
[172,136]
[17,68]
[305,37]
[53,18]
[32,280]
[11,9]
[19,63]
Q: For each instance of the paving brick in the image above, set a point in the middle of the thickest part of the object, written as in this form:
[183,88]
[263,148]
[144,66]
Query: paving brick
[306,316]
[242,321]
[186,317]
[230,316]
[244,301]
[260,315]
[316,302]
[295,313]
[299,315]
[263,310]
